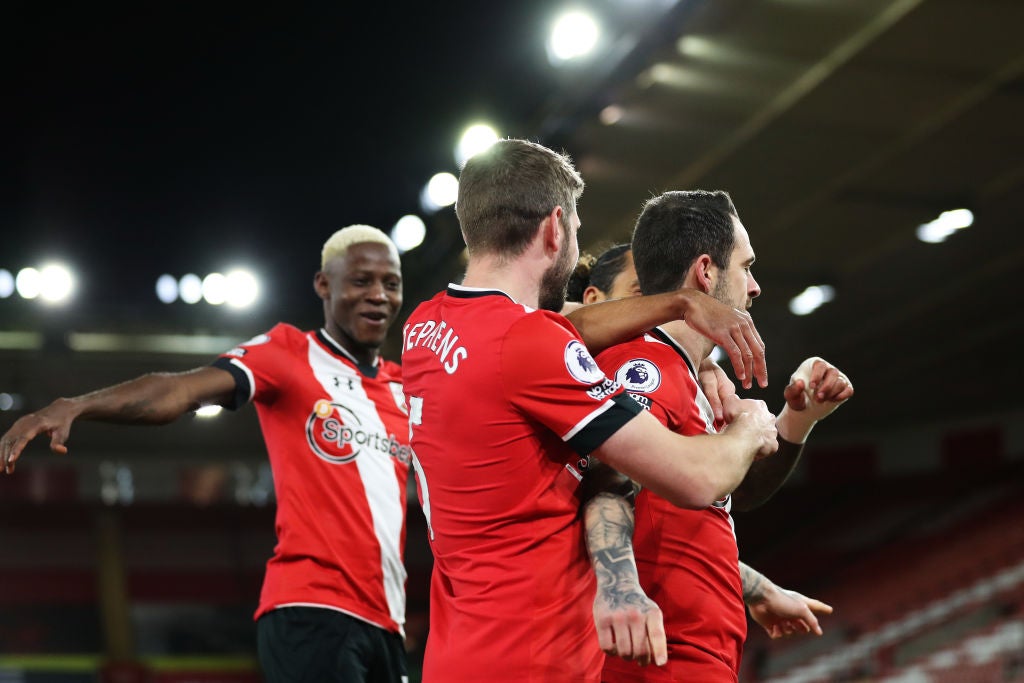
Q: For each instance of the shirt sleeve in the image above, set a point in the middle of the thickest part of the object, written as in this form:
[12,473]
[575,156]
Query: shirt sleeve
[256,365]
[656,378]
[549,375]
[642,376]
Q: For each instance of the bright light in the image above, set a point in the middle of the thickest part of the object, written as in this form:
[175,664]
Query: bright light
[57,283]
[242,289]
[215,289]
[408,233]
[809,299]
[717,354]
[933,233]
[945,225]
[190,288]
[209,411]
[958,219]
[28,283]
[11,401]
[695,46]
[441,191]
[6,283]
[573,35]
[679,76]
[610,115]
[167,289]
[476,138]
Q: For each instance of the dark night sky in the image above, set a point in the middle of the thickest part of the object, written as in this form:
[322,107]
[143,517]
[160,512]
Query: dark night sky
[168,138]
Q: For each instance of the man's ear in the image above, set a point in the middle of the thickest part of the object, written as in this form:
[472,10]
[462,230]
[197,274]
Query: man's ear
[592,295]
[703,273]
[321,285]
[551,231]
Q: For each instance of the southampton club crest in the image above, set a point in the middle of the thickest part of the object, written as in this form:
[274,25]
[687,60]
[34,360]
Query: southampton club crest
[639,375]
[581,364]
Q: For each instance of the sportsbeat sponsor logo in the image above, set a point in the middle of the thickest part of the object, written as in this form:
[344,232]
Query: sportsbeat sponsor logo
[335,434]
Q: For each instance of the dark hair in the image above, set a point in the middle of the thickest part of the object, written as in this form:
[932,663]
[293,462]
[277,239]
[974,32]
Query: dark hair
[598,271]
[506,190]
[674,229]
[580,278]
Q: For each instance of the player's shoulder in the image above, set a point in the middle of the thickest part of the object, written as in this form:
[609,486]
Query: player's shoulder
[544,342]
[427,304]
[278,335]
[543,322]
[389,371]
[532,334]
[640,364]
[645,345]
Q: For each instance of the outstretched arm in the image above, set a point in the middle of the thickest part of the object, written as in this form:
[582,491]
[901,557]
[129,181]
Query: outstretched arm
[780,612]
[815,390]
[628,623]
[613,322]
[156,398]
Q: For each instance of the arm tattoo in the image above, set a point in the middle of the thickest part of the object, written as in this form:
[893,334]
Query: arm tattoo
[753,585]
[609,524]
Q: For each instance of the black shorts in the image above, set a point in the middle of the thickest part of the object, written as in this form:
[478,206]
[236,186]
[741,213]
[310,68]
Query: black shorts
[318,645]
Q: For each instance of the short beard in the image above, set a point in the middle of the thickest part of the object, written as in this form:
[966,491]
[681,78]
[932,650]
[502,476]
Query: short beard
[722,292]
[555,283]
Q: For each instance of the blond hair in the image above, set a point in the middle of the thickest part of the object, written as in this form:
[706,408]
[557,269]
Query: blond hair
[338,243]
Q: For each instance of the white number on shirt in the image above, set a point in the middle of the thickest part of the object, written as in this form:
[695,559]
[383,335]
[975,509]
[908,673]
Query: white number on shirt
[415,419]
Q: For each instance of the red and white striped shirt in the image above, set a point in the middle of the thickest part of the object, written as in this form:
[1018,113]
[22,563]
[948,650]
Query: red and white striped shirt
[337,435]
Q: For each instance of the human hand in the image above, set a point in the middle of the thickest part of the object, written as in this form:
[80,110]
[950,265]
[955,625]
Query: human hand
[817,388]
[717,387]
[630,625]
[784,612]
[753,421]
[54,420]
[734,331]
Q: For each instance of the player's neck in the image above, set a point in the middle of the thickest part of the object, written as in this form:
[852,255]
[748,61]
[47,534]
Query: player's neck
[515,278]
[697,346]
[364,355]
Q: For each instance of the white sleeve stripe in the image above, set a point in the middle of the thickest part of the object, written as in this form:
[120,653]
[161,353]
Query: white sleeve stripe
[581,425]
[248,373]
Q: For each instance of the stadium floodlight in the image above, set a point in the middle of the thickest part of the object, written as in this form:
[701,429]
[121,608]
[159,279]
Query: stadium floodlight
[215,289]
[811,298]
[28,283]
[440,191]
[475,139]
[6,283]
[945,225]
[56,284]
[573,36]
[243,289]
[190,288]
[408,233]
[167,289]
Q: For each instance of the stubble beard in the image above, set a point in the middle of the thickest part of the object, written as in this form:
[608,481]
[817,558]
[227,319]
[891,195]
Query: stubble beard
[555,283]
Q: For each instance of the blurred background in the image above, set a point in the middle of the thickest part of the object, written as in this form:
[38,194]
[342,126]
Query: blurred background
[171,171]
